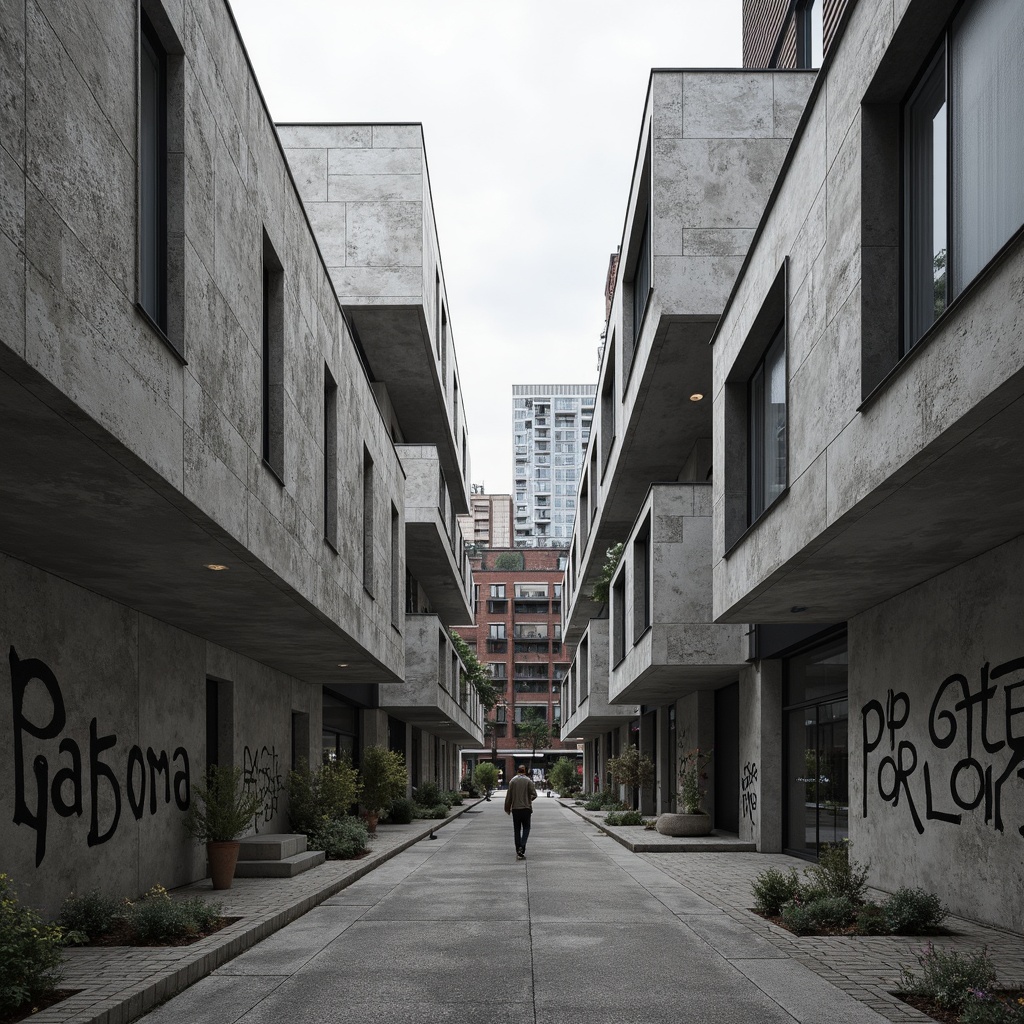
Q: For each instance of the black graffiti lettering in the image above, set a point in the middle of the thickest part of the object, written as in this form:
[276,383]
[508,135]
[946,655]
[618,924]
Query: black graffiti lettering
[893,723]
[182,781]
[73,774]
[261,772]
[946,716]
[99,769]
[970,802]
[929,810]
[749,798]
[985,695]
[872,707]
[22,673]
[901,776]
[158,764]
[136,800]
[1012,692]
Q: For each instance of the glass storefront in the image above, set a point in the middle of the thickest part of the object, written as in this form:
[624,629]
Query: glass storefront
[816,741]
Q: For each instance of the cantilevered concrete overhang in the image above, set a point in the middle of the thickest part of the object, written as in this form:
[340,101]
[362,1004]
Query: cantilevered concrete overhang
[432,556]
[586,710]
[432,696]
[958,497]
[679,649]
[76,503]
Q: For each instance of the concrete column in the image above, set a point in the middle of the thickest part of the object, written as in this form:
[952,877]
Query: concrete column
[648,730]
[761,755]
[695,729]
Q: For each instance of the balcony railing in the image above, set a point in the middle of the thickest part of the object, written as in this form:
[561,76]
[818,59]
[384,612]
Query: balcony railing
[531,647]
[497,646]
[532,686]
[497,606]
[536,606]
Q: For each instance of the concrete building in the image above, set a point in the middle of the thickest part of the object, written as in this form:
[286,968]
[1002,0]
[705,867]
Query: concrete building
[518,639]
[877,485]
[551,426]
[213,493]
[489,523]
[820,512]
[652,668]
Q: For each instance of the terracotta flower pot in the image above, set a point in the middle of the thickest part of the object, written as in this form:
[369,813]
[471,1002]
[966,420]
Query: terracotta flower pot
[222,858]
[684,824]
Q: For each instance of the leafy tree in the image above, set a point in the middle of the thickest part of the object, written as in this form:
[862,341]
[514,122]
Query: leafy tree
[509,561]
[611,563]
[532,731]
[564,776]
[383,776]
[476,674]
[325,792]
[485,775]
[632,770]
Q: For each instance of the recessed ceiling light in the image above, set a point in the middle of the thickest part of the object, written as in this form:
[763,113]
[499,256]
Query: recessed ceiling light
[342,664]
[696,396]
[214,566]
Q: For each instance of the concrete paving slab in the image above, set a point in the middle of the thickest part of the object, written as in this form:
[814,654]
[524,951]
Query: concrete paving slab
[731,938]
[215,1000]
[682,901]
[800,992]
[335,1006]
[359,895]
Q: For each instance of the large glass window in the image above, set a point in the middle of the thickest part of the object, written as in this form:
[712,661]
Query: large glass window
[816,784]
[963,159]
[153,176]
[767,421]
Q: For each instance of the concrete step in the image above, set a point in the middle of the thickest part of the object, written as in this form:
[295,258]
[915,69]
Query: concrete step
[286,867]
[271,846]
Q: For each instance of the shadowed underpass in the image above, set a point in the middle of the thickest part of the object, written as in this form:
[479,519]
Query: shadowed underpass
[458,930]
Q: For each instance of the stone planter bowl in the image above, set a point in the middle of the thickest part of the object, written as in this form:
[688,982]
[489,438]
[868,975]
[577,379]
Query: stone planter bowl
[684,824]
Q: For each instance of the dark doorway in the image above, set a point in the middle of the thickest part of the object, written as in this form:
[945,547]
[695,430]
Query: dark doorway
[727,758]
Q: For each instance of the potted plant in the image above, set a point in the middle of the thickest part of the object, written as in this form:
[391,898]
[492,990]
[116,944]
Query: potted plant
[220,812]
[633,770]
[384,780]
[693,820]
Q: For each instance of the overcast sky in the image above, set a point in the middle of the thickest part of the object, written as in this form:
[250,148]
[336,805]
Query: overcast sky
[531,113]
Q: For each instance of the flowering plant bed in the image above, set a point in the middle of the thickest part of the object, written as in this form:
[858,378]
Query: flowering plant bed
[1010,1008]
[34,1006]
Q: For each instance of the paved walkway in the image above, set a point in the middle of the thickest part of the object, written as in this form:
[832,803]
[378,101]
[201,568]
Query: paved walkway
[584,930]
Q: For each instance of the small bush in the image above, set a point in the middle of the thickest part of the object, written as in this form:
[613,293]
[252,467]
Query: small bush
[838,874]
[624,818]
[340,838]
[30,952]
[826,913]
[914,912]
[156,918]
[948,978]
[90,914]
[428,794]
[798,918]
[325,792]
[485,776]
[564,776]
[605,800]
[468,786]
[773,889]
[437,811]
[451,798]
[872,920]
[983,1007]
[402,811]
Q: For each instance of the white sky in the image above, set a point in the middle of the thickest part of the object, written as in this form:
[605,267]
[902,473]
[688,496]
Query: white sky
[531,113]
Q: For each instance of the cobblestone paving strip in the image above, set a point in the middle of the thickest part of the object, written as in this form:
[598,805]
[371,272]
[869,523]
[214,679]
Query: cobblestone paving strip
[117,984]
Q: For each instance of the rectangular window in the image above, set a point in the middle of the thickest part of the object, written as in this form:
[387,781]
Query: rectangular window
[962,115]
[536,590]
[330,446]
[496,630]
[497,590]
[273,361]
[642,277]
[368,485]
[642,580]
[767,423]
[396,568]
[153,175]
[618,617]
[608,413]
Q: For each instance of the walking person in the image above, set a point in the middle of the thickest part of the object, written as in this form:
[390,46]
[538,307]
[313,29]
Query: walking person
[519,803]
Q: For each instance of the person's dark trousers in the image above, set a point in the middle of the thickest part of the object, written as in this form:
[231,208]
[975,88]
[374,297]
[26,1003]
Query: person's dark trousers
[521,827]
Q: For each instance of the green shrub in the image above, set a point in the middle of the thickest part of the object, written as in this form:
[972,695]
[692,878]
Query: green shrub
[872,920]
[340,838]
[798,918]
[624,818]
[822,914]
[427,794]
[983,1007]
[468,786]
[326,792]
[156,918]
[451,798]
[948,978]
[485,775]
[87,915]
[773,889]
[564,776]
[605,800]
[383,776]
[837,873]
[914,912]
[30,953]
[437,811]
[401,812]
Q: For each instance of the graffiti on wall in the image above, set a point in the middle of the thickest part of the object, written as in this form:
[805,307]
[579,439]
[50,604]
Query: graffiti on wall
[980,723]
[748,789]
[145,774]
[261,770]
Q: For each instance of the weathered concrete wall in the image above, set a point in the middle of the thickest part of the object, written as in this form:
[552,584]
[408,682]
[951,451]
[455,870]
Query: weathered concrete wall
[98,696]
[937,738]
[760,728]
